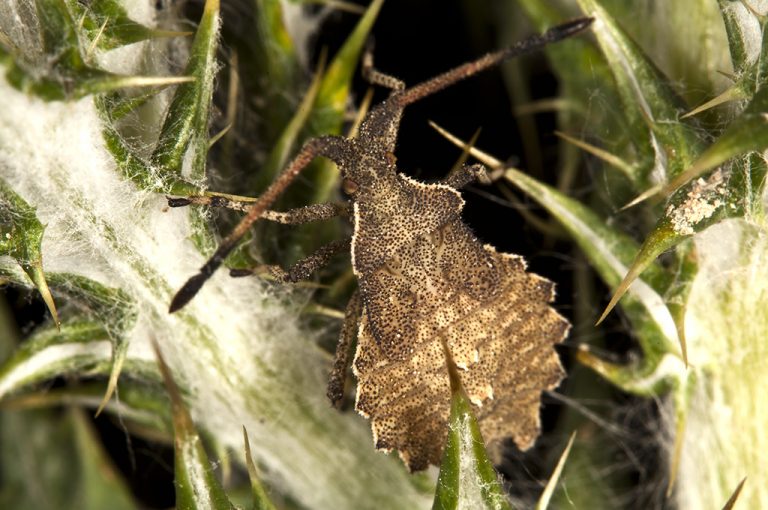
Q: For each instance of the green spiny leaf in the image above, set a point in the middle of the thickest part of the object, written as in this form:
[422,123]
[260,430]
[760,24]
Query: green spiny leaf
[57,464]
[702,203]
[21,236]
[107,25]
[696,205]
[111,307]
[186,123]
[467,478]
[260,499]
[652,107]
[749,132]
[66,74]
[196,485]
[78,347]
[281,151]
[741,27]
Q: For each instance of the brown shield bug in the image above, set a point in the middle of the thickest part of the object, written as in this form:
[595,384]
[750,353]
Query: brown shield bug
[425,283]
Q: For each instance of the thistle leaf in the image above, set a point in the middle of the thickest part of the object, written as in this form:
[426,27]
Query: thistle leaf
[652,108]
[112,308]
[260,499]
[743,30]
[78,347]
[467,478]
[21,236]
[196,485]
[696,205]
[64,465]
[68,75]
[186,123]
[107,25]
[747,133]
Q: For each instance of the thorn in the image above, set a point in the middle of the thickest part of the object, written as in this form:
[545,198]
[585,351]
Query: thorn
[732,94]
[549,489]
[632,274]
[642,197]
[732,500]
[604,155]
[218,136]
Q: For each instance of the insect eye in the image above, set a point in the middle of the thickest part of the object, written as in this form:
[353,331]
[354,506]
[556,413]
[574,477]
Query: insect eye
[349,186]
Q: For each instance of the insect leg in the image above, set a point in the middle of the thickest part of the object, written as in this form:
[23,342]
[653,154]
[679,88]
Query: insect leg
[376,77]
[331,147]
[342,360]
[304,268]
[297,216]
[310,213]
[465,175]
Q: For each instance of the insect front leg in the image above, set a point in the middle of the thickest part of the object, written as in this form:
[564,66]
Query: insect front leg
[341,360]
[304,268]
[376,77]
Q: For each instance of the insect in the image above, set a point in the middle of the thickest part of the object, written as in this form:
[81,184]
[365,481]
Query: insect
[424,283]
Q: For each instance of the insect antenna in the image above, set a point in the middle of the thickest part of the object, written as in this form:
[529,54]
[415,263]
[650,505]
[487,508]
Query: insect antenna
[313,148]
[448,78]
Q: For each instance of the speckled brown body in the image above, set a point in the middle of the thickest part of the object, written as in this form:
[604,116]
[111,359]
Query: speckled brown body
[425,282]
[424,279]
